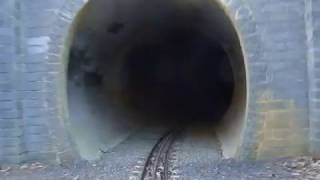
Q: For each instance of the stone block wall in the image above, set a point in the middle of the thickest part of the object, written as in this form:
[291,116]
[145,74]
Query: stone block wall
[24,130]
[313,40]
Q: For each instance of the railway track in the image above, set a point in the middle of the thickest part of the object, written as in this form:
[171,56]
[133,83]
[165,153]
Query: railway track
[158,161]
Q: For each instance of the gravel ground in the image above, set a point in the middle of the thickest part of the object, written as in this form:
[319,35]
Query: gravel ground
[303,168]
[191,159]
[196,150]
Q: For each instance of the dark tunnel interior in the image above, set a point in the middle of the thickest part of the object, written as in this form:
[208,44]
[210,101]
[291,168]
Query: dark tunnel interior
[162,66]
[182,76]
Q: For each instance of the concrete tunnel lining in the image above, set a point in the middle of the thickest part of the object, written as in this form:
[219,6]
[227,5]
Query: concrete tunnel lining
[110,37]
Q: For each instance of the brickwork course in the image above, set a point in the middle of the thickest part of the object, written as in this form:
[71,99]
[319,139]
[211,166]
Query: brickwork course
[281,45]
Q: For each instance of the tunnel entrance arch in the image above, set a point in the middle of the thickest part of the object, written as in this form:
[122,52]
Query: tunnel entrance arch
[235,141]
[177,62]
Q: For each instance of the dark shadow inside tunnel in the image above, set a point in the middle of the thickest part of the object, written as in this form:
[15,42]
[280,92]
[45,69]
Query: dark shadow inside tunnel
[173,64]
[180,76]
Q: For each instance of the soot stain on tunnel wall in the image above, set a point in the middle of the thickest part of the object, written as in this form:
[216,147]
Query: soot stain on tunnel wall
[125,66]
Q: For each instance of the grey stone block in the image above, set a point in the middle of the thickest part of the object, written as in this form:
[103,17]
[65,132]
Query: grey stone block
[45,20]
[35,76]
[6,31]
[35,121]
[36,130]
[34,103]
[36,58]
[7,96]
[315,94]
[37,31]
[316,52]
[5,67]
[316,38]
[38,147]
[7,105]
[36,4]
[35,67]
[301,122]
[317,64]
[315,104]
[316,73]
[8,123]
[11,132]
[32,86]
[9,114]
[31,95]
[284,55]
[315,134]
[54,67]
[314,122]
[315,14]
[32,139]
[8,40]
[316,5]
[316,84]
[5,21]
[34,112]
[10,142]
[5,78]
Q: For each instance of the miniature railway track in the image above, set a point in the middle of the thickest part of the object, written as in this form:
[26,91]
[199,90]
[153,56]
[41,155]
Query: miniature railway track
[157,164]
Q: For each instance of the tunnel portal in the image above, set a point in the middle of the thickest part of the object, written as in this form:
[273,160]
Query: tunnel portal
[174,64]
